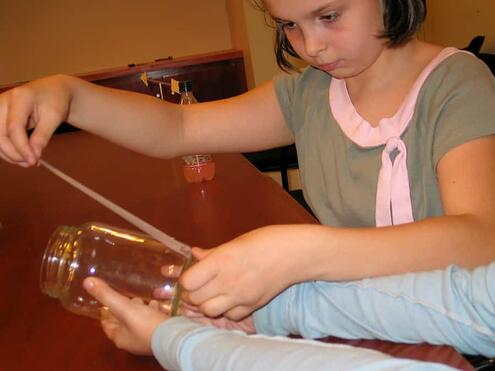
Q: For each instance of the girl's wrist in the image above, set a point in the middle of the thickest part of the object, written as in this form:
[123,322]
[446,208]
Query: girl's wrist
[73,87]
[309,248]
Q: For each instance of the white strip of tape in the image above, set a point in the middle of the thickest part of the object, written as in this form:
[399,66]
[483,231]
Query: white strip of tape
[158,235]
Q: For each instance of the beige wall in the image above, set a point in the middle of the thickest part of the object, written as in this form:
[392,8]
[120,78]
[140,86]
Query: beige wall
[261,38]
[73,36]
[239,33]
[456,22]
[251,34]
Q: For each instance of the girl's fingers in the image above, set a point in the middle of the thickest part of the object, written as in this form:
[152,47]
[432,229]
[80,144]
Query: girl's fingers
[115,302]
[200,253]
[188,306]
[110,328]
[16,123]
[137,300]
[216,307]
[17,113]
[153,304]
[238,313]
[7,159]
[207,292]
[199,275]
[164,293]
[9,152]
[174,271]
[43,132]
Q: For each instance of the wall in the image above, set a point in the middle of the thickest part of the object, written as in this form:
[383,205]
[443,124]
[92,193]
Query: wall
[261,37]
[456,22]
[72,36]
[251,34]
[240,39]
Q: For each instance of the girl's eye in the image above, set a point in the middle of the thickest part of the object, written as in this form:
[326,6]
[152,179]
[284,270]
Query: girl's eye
[286,25]
[331,17]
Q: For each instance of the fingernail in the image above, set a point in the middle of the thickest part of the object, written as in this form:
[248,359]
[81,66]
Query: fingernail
[88,284]
[37,151]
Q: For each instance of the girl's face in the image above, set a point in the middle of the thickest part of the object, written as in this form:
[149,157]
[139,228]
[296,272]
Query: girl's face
[336,36]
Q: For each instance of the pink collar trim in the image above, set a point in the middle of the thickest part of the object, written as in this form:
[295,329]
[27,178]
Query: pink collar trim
[393,199]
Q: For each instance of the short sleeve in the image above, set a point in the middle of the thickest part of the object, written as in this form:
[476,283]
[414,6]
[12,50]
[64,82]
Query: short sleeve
[299,92]
[465,102]
[285,86]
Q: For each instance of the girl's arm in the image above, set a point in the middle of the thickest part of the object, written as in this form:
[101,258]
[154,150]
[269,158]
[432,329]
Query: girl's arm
[247,272]
[465,236]
[249,122]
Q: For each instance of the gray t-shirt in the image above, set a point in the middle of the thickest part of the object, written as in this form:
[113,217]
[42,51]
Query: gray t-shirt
[456,104]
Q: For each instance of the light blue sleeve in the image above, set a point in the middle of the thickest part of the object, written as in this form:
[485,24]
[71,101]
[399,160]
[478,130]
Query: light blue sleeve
[452,306]
[180,344]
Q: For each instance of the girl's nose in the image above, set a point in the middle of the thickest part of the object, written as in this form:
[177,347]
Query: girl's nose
[314,44]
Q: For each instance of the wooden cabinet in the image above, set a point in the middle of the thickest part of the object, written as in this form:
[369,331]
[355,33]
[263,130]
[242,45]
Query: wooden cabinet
[215,75]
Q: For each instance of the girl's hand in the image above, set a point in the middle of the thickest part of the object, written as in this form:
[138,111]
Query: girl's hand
[193,313]
[246,325]
[42,105]
[240,276]
[129,323]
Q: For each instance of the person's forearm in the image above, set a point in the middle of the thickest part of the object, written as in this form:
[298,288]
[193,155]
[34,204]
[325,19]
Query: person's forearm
[179,344]
[136,121]
[339,254]
[452,306]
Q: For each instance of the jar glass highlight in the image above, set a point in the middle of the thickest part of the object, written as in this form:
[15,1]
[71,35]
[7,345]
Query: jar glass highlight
[134,264]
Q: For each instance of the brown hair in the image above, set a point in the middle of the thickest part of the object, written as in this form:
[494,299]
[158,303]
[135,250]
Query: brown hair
[401,20]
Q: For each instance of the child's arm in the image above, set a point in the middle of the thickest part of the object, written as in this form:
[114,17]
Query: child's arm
[179,343]
[453,307]
[247,272]
[251,121]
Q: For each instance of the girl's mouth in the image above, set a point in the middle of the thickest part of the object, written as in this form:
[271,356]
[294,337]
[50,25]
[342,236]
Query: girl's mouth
[329,67]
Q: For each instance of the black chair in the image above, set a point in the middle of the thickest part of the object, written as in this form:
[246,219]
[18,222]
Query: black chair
[489,59]
[277,159]
[280,159]
[475,47]
[475,44]
[481,363]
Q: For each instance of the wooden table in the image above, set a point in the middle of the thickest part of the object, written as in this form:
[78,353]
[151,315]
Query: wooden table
[36,333]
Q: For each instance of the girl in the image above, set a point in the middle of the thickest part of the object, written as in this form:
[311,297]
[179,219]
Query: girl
[391,132]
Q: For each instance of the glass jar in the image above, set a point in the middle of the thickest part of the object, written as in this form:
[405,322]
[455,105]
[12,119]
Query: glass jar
[134,264]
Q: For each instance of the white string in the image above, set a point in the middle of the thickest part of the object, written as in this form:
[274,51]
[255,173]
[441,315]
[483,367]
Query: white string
[158,235]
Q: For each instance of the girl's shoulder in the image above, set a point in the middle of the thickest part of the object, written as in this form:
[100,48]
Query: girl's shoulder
[462,66]
[299,87]
[459,74]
